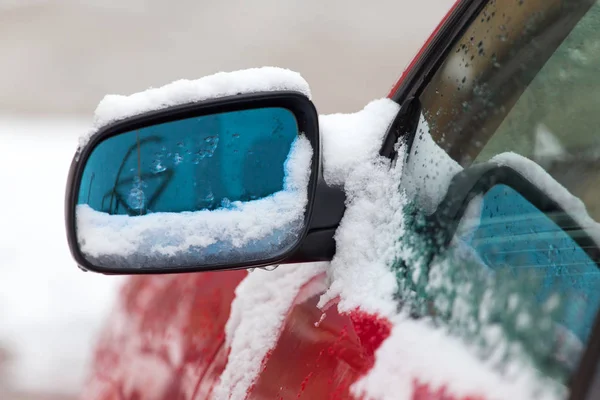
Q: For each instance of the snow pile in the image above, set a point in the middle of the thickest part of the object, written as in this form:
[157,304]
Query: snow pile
[116,107]
[350,140]
[243,231]
[262,301]
[366,240]
[416,352]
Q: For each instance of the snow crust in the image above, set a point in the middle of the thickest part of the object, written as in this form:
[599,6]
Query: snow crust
[258,311]
[116,107]
[245,230]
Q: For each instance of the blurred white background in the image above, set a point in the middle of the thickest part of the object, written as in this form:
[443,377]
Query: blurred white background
[59,57]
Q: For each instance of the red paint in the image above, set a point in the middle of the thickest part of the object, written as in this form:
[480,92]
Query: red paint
[319,356]
[420,53]
[165,338]
[316,356]
[371,330]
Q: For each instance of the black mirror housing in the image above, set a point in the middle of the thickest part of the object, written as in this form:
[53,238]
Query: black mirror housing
[275,113]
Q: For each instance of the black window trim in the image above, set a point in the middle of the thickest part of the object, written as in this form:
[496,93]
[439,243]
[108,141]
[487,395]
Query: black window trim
[436,52]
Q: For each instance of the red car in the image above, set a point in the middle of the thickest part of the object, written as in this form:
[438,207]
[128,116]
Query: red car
[442,243]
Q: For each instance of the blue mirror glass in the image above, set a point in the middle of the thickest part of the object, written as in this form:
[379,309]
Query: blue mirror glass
[204,191]
[510,234]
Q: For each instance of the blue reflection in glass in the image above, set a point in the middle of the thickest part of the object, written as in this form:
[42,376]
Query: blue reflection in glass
[200,163]
[512,234]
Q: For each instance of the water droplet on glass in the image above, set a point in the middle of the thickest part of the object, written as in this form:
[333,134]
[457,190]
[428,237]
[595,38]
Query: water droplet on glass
[200,155]
[270,267]
[207,147]
[226,203]
[136,198]
[177,159]
[158,167]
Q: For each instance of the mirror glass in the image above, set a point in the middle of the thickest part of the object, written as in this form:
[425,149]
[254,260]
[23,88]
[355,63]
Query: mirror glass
[514,241]
[212,190]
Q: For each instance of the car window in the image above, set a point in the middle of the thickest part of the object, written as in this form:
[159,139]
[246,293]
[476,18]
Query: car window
[518,88]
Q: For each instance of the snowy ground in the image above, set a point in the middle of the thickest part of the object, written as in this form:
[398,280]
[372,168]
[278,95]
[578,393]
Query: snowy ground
[50,310]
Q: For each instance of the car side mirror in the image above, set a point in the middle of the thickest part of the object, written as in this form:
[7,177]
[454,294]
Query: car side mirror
[221,184]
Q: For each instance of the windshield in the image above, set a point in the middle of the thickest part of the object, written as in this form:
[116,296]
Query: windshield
[520,88]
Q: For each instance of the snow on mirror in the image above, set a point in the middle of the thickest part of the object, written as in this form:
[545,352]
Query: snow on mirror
[210,191]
